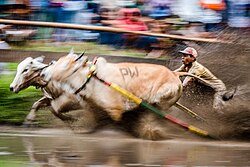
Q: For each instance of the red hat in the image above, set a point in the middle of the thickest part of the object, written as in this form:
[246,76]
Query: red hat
[190,51]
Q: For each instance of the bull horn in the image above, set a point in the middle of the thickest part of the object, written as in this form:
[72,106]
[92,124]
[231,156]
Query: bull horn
[80,56]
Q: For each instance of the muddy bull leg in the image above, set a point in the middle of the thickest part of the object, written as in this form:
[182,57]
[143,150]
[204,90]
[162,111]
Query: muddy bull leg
[43,102]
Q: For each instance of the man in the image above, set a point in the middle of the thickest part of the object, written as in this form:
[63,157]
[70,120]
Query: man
[190,65]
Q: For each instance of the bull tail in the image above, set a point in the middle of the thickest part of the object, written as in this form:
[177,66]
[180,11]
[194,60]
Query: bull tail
[180,74]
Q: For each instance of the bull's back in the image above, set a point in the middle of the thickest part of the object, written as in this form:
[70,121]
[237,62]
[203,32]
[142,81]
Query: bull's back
[147,72]
[140,78]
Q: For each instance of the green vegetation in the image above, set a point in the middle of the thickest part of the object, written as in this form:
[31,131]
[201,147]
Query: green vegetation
[13,163]
[15,107]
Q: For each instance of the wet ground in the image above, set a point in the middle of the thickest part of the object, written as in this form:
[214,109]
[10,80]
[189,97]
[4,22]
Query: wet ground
[62,148]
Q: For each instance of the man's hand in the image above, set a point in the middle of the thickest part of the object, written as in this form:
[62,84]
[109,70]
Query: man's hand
[186,81]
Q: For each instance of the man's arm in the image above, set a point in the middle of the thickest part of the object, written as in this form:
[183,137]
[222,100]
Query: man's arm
[180,69]
[186,81]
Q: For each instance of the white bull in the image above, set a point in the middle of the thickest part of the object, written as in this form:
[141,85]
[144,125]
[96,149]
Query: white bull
[155,84]
[29,74]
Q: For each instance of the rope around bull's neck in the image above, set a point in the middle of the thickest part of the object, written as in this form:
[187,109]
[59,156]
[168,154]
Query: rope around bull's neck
[37,75]
[92,72]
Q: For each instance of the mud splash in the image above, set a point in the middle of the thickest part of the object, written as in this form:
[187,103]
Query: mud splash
[230,63]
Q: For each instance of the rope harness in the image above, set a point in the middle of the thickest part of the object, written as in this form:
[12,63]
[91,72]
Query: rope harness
[35,76]
[92,72]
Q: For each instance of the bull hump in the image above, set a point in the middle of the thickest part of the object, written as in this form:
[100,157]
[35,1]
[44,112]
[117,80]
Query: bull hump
[101,61]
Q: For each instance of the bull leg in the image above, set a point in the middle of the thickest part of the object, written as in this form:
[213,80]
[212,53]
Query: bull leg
[43,102]
[166,102]
[62,104]
[86,121]
[61,116]
[170,95]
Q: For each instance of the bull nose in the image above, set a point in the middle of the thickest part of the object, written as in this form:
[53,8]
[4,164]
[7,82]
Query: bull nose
[11,89]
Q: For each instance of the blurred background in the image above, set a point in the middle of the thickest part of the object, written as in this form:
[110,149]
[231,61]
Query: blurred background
[193,18]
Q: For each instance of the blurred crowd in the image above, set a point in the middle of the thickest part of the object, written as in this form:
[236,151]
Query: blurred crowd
[191,18]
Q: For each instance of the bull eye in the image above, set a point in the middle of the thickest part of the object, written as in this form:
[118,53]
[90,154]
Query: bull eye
[25,70]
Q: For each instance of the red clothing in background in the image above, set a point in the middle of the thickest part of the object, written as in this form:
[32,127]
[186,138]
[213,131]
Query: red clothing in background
[131,25]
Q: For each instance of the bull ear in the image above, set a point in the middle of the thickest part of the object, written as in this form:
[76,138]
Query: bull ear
[80,56]
[40,59]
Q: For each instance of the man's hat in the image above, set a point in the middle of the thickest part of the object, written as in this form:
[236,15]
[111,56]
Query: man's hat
[190,51]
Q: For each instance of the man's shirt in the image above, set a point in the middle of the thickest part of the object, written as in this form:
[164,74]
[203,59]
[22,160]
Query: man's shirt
[204,73]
